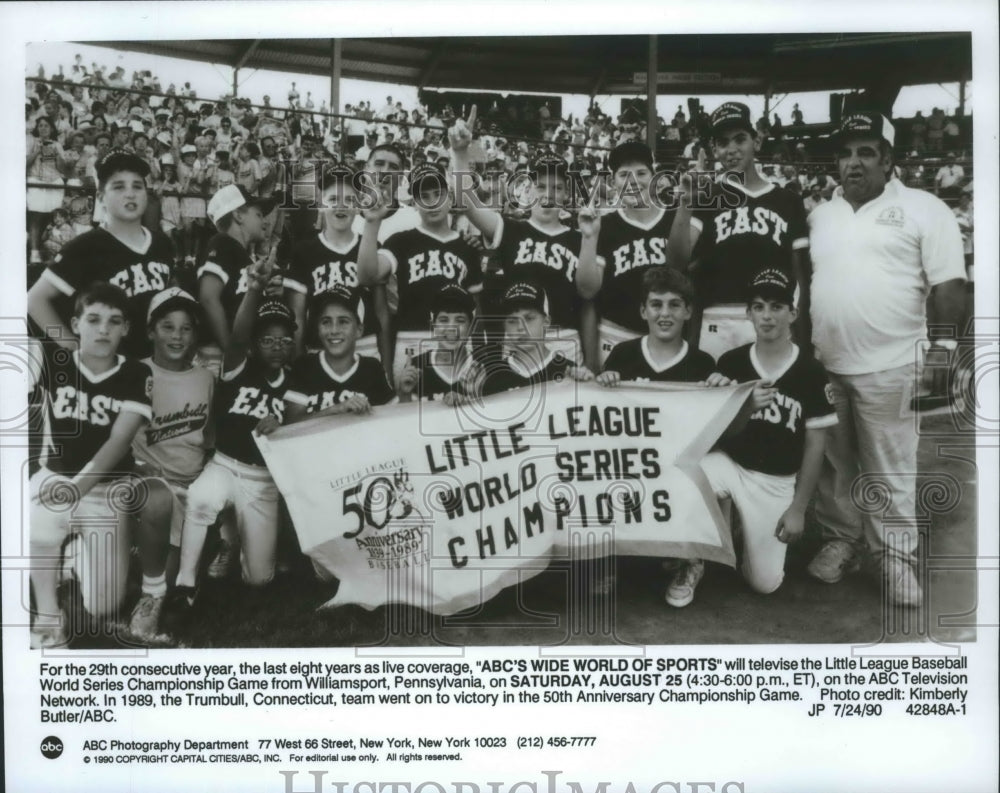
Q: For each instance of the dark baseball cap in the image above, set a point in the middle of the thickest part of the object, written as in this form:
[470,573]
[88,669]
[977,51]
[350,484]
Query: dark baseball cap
[427,172]
[122,159]
[774,284]
[548,164]
[865,125]
[630,152]
[453,300]
[343,296]
[731,115]
[275,311]
[523,294]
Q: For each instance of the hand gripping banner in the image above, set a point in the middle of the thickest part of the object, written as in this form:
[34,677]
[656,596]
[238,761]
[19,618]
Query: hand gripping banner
[442,507]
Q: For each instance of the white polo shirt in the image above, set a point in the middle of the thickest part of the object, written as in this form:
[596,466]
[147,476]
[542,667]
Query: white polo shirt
[872,272]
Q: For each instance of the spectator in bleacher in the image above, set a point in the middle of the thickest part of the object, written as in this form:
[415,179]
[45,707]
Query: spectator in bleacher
[679,120]
[796,114]
[948,182]
[247,168]
[776,127]
[951,133]
[918,133]
[935,130]
[814,198]
[46,163]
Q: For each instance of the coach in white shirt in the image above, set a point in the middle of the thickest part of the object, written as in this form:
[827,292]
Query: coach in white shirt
[878,248]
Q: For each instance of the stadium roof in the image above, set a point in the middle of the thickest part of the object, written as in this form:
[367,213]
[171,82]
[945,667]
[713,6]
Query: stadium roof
[686,64]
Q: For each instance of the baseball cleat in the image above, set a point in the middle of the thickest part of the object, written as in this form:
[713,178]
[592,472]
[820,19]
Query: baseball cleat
[835,560]
[682,586]
[145,618]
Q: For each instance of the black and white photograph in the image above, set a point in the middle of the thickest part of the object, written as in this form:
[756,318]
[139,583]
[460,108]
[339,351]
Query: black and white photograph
[496,390]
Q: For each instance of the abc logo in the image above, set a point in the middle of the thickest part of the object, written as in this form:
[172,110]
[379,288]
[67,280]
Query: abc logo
[52,747]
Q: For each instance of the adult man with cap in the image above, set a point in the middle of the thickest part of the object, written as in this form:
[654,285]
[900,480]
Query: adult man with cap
[222,278]
[878,248]
[751,224]
[122,252]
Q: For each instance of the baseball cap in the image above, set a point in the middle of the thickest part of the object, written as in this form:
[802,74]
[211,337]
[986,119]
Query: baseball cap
[164,138]
[866,125]
[123,159]
[188,148]
[729,115]
[774,283]
[344,296]
[428,171]
[167,159]
[452,299]
[549,164]
[275,311]
[232,197]
[630,152]
[523,294]
[170,300]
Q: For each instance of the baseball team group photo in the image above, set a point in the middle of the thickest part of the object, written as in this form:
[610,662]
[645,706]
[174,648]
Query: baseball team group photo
[549,340]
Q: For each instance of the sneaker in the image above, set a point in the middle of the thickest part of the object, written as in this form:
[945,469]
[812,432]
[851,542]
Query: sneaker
[145,620]
[834,560]
[223,561]
[901,583]
[177,609]
[685,581]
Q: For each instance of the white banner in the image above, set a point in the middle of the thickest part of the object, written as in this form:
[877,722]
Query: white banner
[441,508]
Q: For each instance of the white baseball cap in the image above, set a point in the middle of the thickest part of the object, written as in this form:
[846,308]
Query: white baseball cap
[232,197]
[175,296]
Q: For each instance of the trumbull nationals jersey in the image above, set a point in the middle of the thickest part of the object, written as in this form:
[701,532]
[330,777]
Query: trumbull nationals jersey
[315,386]
[626,248]
[228,261]
[243,397]
[98,255]
[81,408]
[317,266]
[423,263]
[738,242]
[632,361]
[774,438]
[178,437]
[546,258]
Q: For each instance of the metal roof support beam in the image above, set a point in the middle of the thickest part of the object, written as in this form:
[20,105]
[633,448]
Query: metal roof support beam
[431,66]
[651,95]
[336,65]
[247,53]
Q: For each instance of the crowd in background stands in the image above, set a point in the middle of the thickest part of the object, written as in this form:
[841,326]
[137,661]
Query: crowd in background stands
[195,147]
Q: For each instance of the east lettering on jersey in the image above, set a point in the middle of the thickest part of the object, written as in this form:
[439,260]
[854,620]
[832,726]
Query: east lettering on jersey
[98,255]
[627,248]
[773,440]
[315,386]
[82,407]
[245,395]
[738,242]
[423,264]
[228,261]
[547,258]
[633,362]
[317,266]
